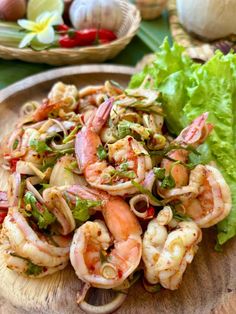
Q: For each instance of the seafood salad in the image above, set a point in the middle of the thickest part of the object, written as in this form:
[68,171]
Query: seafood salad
[96,179]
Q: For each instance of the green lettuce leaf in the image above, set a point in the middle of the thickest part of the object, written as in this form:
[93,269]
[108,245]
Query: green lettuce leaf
[189,89]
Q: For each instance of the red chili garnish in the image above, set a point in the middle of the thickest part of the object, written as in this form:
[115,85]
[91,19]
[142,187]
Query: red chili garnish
[3,214]
[150,212]
[13,163]
[120,273]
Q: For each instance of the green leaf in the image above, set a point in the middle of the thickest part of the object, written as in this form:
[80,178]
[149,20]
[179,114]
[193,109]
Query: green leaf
[124,166]
[81,210]
[159,173]
[101,152]
[15,144]
[189,89]
[34,270]
[180,216]
[168,182]
[44,218]
[39,146]
[126,127]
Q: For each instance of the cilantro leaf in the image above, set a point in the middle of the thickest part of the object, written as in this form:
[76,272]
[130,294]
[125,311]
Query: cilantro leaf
[159,173]
[168,182]
[101,152]
[39,146]
[43,217]
[81,210]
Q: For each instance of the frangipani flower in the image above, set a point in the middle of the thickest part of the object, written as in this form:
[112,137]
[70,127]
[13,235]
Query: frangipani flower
[42,28]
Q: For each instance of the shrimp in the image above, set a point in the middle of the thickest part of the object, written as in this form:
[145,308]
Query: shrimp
[166,252]
[62,98]
[26,244]
[209,200]
[194,135]
[105,255]
[128,158]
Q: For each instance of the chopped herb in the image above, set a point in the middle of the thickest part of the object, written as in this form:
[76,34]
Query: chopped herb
[180,216]
[168,182]
[44,217]
[126,127]
[125,174]
[15,144]
[101,152]
[143,190]
[123,130]
[72,134]
[81,210]
[45,185]
[39,146]
[124,166]
[159,173]
[34,270]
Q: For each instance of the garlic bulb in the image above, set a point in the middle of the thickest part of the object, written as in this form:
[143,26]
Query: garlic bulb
[96,13]
[210,19]
[12,10]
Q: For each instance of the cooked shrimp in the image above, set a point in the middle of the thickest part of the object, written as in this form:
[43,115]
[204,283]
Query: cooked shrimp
[166,252]
[194,135]
[125,152]
[26,243]
[62,97]
[89,253]
[209,200]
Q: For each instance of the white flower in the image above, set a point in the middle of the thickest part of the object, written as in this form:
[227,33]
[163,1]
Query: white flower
[42,28]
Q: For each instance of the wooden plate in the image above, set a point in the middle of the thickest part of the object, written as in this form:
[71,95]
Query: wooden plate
[209,284]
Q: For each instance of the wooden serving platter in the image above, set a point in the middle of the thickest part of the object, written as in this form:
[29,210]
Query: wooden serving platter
[209,284]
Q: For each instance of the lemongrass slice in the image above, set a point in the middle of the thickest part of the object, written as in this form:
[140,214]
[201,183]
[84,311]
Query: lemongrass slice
[104,309]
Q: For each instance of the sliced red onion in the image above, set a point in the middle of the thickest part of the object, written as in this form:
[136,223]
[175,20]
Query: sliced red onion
[55,128]
[13,193]
[36,125]
[149,180]
[61,126]
[32,189]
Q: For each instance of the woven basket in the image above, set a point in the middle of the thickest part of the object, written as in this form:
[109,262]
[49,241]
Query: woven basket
[59,56]
[150,9]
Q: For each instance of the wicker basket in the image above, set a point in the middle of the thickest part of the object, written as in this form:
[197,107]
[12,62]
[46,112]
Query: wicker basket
[150,9]
[59,56]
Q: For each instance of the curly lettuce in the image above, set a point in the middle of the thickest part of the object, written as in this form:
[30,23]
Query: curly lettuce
[189,89]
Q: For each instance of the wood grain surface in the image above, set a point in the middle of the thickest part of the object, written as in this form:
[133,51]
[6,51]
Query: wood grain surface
[209,284]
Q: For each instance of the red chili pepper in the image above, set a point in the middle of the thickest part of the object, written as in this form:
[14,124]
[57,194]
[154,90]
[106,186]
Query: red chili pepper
[87,37]
[2,216]
[13,163]
[150,212]
[67,42]
[63,28]
[106,35]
